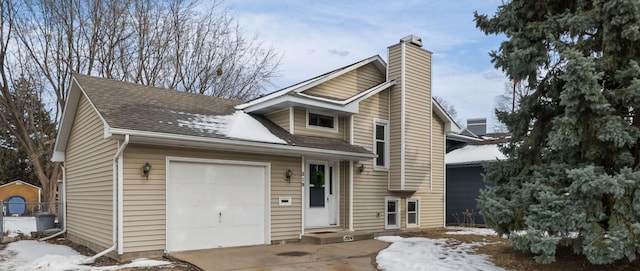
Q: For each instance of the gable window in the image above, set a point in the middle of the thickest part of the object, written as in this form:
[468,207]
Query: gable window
[381,143]
[391,214]
[322,121]
[413,212]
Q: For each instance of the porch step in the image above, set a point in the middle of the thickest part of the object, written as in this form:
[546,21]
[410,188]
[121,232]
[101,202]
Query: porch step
[324,238]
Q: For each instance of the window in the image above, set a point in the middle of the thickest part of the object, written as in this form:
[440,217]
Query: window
[381,143]
[392,215]
[413,212]
[315,120]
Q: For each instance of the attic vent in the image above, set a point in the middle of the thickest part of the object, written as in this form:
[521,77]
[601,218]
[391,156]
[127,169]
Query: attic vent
[411,39]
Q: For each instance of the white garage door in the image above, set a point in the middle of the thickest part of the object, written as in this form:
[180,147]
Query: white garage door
[216,204]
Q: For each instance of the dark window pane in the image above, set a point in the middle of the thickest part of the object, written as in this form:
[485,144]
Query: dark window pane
[320,120]
[380,152]
[391,206]
[411,218]
[391,219]
[411,206]
[380,132]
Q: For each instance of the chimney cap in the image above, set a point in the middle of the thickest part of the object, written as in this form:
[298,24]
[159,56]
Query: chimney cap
[411,39]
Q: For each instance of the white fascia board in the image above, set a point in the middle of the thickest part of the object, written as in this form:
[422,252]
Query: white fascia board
[304,101]
[358,97]
[463,137]
[231,145]
[449,124]
[68,116]
[66,122]
[302,86]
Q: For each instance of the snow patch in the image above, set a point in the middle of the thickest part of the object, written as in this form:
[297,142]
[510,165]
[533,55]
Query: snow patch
[238,125]
[474,231]
[35,255]
[473,154]
[16,225]
[418,254]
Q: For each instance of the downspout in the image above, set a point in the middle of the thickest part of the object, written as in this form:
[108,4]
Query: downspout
[302,201]
[350,195]
[64,206]
[444,181]
[351,141]
[116,183]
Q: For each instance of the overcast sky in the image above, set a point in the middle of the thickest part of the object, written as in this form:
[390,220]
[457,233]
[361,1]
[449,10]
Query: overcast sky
[315,37]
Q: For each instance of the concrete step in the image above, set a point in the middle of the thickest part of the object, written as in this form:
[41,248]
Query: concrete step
[324,238]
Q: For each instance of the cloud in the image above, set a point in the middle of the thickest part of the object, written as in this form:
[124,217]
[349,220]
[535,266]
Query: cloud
[340,53]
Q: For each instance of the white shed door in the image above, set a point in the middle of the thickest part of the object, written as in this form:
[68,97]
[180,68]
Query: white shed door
[211,205]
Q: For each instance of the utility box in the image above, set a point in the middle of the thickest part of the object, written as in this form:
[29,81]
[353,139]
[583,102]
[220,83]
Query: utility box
[45,221]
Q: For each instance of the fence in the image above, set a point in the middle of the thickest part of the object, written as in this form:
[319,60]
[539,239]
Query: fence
[18,217]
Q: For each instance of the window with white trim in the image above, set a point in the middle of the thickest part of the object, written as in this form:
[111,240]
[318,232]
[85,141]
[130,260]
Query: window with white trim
[381,143]
[391,213]
[413,212]
[322,121]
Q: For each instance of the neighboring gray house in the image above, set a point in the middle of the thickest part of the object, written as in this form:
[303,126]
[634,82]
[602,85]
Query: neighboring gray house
[464,160]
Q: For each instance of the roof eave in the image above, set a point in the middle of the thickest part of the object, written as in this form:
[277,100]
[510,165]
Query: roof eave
[450,126]
[165,139]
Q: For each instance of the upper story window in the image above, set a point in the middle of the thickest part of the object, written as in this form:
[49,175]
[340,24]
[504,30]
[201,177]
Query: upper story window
[322,121]
[381,143]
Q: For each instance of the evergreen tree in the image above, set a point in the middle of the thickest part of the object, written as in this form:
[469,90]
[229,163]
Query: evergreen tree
[572,177]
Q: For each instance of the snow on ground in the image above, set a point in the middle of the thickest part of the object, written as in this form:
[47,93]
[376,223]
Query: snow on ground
[16,225]
[467,230]
[418,254]
[41,256]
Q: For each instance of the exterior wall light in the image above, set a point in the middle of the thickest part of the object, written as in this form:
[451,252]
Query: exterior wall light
[361,168]
[288,175]
[146,168]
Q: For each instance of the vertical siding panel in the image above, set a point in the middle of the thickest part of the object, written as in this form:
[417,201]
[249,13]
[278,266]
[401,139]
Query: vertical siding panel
[418,112]
[89,180]
[432,201]
[145,200]
[395,121]
[370,187]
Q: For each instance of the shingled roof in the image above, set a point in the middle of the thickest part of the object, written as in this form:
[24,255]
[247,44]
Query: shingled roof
[135,107]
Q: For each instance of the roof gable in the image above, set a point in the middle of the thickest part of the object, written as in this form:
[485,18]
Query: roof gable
[277,100]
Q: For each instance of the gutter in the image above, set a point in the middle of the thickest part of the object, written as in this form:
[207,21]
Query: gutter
[64,206]
[235,145]
[117,183]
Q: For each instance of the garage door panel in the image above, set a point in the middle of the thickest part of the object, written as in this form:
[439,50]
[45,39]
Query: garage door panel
[215,205]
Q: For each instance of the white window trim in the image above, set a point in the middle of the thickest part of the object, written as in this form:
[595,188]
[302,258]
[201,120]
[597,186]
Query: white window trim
[386,213]
[385,123]
[313,127]
[417,201]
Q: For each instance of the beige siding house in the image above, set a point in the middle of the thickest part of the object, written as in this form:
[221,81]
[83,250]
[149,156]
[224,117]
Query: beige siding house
[150,171]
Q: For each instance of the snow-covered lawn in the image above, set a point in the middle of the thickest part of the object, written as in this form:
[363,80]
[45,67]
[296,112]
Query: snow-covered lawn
[15,225]
[418,253]
[35,255]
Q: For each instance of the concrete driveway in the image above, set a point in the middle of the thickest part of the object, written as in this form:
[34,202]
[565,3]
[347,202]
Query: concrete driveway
[359,255]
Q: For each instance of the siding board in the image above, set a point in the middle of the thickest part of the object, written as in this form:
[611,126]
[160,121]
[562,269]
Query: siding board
[89,179]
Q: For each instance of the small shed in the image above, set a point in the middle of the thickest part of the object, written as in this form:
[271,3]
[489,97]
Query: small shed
[465,179]
[19,197]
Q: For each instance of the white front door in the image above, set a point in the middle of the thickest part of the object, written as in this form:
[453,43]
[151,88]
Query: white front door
[322,194]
